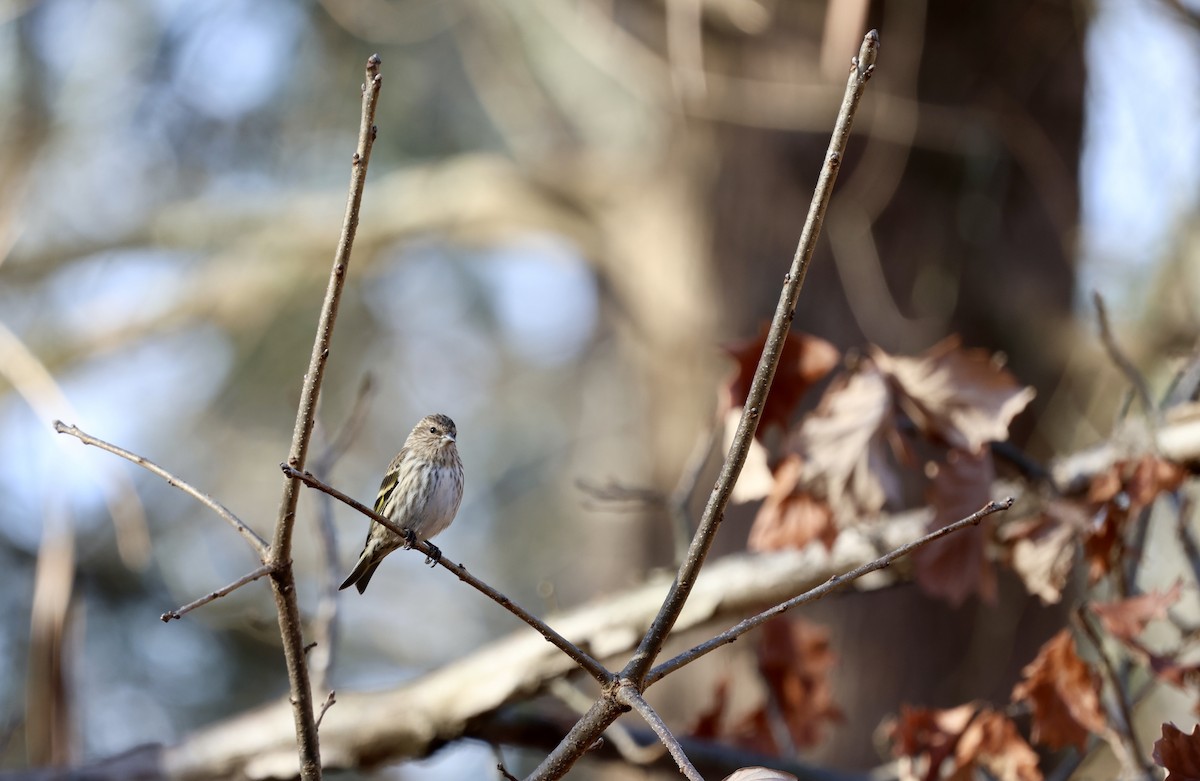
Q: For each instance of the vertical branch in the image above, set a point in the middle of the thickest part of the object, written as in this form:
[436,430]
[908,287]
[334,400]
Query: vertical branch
[283,581]
[605,711]
[714,511]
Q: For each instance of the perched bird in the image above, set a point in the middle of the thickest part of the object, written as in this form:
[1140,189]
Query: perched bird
[421,491]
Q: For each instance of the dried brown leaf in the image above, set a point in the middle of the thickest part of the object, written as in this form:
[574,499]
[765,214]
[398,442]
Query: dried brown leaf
[805,360]
[929,732]
[992,741]
[1126,619]
[845,444]
[791,517]
[1041,552]
[1118,495]
[1179,753]
[794,659]
[955,567]
[963,397]
[1064,694]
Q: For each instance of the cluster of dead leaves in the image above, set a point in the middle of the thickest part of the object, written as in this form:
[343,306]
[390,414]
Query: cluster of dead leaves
[794,662]
[891,422]
[1063,695]
[850,457]
[1042,548]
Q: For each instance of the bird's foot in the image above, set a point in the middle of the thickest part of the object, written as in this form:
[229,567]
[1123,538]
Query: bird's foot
[434,555]
[410,539]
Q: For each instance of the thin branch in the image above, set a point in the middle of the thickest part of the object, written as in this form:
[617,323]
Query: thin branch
[628,695]
[283,581]
[249,577]
[577,741]
[1118,357]
[325,623]
[1119,694]
[833,584]
[341,441]
[330,701]
[256,542]
[581,657]
[861,70]
[681,497]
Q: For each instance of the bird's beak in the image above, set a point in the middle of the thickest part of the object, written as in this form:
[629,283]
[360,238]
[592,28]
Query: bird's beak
[448,438]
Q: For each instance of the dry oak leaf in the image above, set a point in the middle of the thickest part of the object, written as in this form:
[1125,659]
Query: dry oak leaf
[708,724]
[955,742]
[956,567]
[993,742]
[1118,495]
[1064,695]
[791,517]
[964,397]
[1042,549]
[930,733]
[1178,753]
[805,360]
[1133,485]
[847,441]
[794,659]
[1126,619]
[751,731]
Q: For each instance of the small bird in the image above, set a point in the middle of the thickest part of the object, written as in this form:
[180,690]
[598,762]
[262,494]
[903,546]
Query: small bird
[421,492]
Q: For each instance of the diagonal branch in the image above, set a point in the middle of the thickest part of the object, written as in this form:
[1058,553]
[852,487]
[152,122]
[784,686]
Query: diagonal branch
[283,581]
[1118,357]
[833,584]
[714,511]
[581,657]
[579,739]
[628,695]
[249,577]
[256,542]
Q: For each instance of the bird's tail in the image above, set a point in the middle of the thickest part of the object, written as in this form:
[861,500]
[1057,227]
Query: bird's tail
[360,576]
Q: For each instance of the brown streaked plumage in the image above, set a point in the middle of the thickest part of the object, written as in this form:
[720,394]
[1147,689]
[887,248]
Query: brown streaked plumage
[421,491]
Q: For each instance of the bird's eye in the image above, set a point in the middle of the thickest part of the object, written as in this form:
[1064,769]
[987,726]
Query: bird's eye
[433,429]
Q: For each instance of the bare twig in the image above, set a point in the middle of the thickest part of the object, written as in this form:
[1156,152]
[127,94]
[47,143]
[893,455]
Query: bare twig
[283,581]
[256,542]
[613,493]
[249,577]
[1118,690]
[629,695]
[604,712]
[500,768]
[1118,357]
[325,623]
[834,583]
[330,701]
[581,657]
[681,497]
